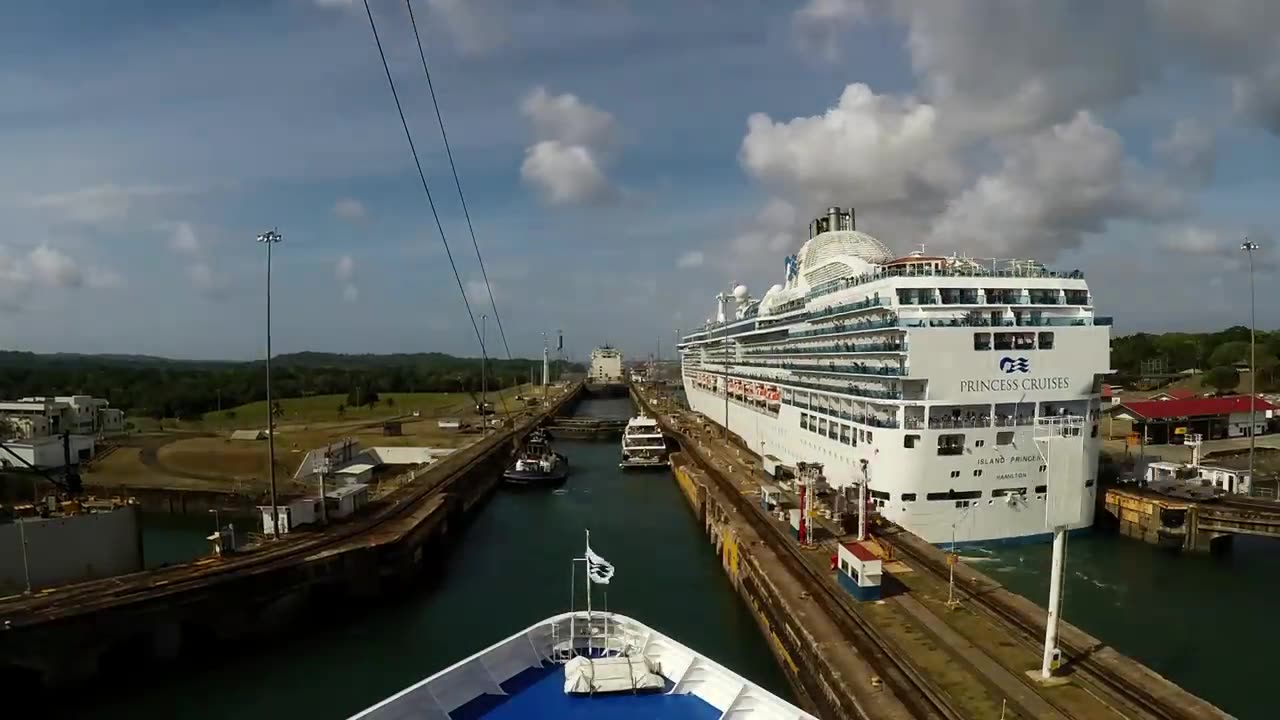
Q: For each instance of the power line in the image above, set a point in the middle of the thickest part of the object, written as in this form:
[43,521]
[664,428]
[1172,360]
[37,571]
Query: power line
[458,183]
[425,188]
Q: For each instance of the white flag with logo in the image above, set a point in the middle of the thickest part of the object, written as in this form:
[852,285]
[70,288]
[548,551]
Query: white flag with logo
[598,569]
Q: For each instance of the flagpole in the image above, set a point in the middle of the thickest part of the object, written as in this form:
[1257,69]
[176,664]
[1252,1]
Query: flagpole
[587,555]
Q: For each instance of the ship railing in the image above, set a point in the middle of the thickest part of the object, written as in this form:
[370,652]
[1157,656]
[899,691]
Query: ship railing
[839,284]
[860,326]
[843,369]
[833,349]
[1013,421]
[981,421]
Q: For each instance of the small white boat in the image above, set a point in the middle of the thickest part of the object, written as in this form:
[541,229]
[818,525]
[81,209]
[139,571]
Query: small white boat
[643,444]
[587,665]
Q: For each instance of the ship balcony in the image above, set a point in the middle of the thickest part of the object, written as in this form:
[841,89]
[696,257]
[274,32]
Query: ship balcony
[880,421]
[839,348]
[832,387]
[830,368]
[847,328]
[848,308]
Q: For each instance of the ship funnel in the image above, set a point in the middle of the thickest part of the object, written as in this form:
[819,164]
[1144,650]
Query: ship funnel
[833,218]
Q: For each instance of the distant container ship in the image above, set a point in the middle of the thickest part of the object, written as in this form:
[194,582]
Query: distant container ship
[606,378]
[925,375]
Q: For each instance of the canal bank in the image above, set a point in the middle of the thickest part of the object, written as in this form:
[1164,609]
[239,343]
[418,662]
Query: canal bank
[508,568]
[1201,621]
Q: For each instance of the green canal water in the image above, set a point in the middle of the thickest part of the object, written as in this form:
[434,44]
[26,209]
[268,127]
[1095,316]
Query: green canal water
[509,569]
[1206,623]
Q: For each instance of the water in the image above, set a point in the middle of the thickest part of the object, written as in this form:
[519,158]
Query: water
[171,539]
[509,569]
[1206,623]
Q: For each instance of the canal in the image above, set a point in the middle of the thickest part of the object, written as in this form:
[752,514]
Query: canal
[509,568]
[1206,623]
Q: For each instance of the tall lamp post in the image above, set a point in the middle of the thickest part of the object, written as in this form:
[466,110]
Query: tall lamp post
[271,237]
[1249,246]
[484,377]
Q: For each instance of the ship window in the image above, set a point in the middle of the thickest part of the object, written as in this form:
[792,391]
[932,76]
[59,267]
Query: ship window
[979,443]
[804,421]
[868,436]
[879,494]
[909,441]
[822,426]
[951,444]
[862,434]
[982,341]
[1001,492]
[1094,432]
[1046,341]
[1004,341]
[1004,438]
[954,495]
[977,473]
[845,432]
[1042,489]
[1043,468]
[955,473]
[1089,482]
[908,497]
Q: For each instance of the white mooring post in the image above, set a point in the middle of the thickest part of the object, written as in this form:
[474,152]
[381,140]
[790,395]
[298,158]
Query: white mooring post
[1060,440]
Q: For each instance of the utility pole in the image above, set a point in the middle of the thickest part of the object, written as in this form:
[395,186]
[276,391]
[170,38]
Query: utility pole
[1248,246]
[484,385]
[271,237]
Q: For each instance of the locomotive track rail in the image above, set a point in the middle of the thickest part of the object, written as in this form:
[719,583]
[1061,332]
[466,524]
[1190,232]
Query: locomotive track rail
[922,697]
[1081,658]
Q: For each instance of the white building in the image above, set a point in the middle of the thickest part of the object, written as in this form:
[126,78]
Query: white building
[345,500]
[294,513]
[34,417]
[1228,480]
[47,451]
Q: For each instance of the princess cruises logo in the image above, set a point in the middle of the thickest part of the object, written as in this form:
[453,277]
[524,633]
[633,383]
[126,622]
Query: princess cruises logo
[1010,365]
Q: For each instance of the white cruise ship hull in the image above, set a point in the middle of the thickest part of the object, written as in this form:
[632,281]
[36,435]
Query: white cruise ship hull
[988,520]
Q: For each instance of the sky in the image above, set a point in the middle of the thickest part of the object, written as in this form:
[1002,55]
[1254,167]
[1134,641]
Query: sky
[622,162]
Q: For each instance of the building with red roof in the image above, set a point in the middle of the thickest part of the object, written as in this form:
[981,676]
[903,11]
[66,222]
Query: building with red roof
[1168,421]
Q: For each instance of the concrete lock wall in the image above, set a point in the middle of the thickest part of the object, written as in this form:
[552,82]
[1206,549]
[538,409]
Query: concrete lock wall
[70,549]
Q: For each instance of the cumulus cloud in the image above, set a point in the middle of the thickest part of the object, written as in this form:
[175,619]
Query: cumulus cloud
[54,268]
[565,174]
[820,22]
[1051,189]
[348,209]
[761,244]
[691,259]
[95,205]
[24,272]
[1189,149]
[565,164]
[184,239]
[878,150]
[345,272]
[998,67]
[1221,244]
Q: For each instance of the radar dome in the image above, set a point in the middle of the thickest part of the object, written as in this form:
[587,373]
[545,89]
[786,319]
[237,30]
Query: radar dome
[740,292]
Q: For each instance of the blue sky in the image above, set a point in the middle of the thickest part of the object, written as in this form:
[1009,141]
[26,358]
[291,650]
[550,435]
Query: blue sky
[623,161]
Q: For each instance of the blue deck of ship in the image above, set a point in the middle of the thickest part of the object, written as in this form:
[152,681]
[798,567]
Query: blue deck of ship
[539,693]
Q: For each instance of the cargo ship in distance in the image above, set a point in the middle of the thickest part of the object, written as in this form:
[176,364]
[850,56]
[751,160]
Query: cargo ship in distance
[925,375]
[606,378]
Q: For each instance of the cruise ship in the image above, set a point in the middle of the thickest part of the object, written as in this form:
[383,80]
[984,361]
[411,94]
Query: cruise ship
[926,376]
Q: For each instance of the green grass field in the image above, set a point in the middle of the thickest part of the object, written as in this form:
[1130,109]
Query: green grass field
[324,408]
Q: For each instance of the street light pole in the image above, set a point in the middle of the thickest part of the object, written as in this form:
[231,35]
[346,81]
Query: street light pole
[484,378]
[271,237]
[1249,246]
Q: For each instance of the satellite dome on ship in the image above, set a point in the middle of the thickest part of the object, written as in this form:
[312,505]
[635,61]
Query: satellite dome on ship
[833,242]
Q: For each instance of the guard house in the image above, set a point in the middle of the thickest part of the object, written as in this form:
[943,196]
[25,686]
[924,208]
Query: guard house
[343,501]
[858,570]
[299,511]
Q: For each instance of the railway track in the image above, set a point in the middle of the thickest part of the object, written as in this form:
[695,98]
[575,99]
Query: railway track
[99,594]
[920,696]
[1032,635]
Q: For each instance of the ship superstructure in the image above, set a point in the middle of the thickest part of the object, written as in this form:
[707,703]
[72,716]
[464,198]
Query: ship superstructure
[606,372]
[922,374]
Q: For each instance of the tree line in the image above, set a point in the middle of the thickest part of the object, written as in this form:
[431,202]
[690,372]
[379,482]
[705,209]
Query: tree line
[164,388]
[1217,354]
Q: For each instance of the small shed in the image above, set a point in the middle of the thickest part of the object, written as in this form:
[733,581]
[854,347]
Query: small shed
[249,435]
[770,496]
[859,571]
[449,423]
[345,500]
[355,473]
[393,428]
[299,511]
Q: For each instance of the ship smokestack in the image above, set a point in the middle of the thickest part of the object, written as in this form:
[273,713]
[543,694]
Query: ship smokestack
[853,218]
[833,218]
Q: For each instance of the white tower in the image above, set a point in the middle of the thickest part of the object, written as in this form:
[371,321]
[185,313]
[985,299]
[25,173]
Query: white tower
[1060,440]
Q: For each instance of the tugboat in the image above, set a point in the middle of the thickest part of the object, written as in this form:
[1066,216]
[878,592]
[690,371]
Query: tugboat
[537,464]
